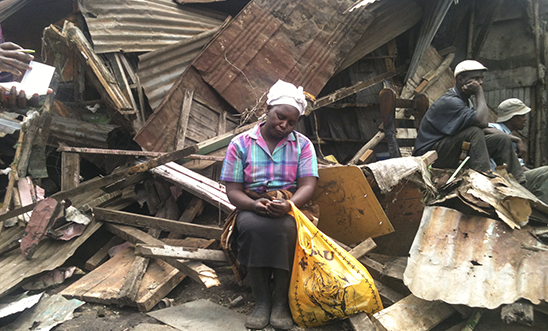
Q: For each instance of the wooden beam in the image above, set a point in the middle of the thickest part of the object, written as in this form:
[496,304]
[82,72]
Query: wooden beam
[366,156]
[70,170]
[195,270]
[4,214]
[486,26]
[412,314]
[180,253]
[89,185]
[363,248]
[201,186]
[168,157]
[194,208]
[361,322]
[85,150]
[31,127]
[183,119]
[189,229]
[347,91]
[387,99]
[370,145]
[102,254]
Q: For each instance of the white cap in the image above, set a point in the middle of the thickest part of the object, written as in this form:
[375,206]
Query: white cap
[284,93]
[510,108]
[468,65]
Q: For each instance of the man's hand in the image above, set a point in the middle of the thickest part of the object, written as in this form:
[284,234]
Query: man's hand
[521,149]
[13,60]
[472,87]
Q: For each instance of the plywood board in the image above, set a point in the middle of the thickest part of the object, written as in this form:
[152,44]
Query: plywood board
[349,210]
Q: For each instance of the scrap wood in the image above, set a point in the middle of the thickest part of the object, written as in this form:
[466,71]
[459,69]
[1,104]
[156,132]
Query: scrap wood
[194,208]
[49,255]
[195,270]
[172,156]
[201,186]
[102,254]
[369,146]
[102,151]
[104,284]
[12,178]
[84,187]
[347,91]
[180,253]
[30,126]
[189,229]
[132,282]
[362,322]
[363,248]
[412,314]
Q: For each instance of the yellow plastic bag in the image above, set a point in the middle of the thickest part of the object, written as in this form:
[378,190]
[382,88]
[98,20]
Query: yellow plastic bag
[327,283]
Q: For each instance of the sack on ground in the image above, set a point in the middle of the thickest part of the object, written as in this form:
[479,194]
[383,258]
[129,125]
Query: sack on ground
[327,283]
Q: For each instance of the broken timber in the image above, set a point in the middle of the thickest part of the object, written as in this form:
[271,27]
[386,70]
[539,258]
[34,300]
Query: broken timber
[180,253]
[195,270]
[189,229]
[173,156]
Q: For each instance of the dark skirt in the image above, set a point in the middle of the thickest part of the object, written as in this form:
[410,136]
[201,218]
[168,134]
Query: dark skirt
[266,242]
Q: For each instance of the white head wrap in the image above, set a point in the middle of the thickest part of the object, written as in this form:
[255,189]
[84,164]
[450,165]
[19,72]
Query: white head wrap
[284,93]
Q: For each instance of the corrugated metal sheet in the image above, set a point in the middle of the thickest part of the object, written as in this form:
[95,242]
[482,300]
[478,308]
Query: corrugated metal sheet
[141,25]
[9,7]
[474,261]
[434,15]
[9,125]
[302,42]
[158,70]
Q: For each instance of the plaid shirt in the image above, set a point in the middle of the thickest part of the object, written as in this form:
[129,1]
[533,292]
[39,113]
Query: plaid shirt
[249,161]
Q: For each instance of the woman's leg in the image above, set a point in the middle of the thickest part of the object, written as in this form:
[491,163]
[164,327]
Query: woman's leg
[259,279]
[280,317]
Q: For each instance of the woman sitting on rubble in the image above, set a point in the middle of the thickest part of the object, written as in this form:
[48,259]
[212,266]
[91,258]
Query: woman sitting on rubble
[263,169]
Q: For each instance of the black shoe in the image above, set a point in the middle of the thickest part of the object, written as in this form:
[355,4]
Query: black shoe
[280,317]
[259,279]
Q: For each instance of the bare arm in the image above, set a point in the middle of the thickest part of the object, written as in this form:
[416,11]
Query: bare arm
[237,196]
[482,111]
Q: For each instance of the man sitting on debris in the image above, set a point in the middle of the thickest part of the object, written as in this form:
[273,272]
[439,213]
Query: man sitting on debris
[453,119]
[512,118]
[263,167]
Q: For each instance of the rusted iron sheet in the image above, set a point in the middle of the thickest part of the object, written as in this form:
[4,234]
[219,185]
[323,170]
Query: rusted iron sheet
[474,261]
[302,42]
[158,70]
[142,26]
[208,116]
[43,216]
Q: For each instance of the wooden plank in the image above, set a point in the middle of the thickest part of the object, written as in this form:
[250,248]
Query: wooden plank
[412,314]
[366,156]
[70,170]
[183,119]
[202,187]
[387,100]
[193,230]
[350,210]
[12,178]
[168,157]
[363,248]
[102,254]
[389,296]
[87,186]
[194,208]
[485,27]
[31,127]
[347,91]
[370,145]
[180,253]
[362,322]
[195,270]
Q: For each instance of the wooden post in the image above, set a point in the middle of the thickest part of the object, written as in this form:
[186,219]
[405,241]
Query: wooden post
[370,145]
[70,170]
[387,100]
[183,119]
[12,178]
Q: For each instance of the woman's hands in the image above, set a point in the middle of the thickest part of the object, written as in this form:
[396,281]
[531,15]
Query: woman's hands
[274,209]
[13,60]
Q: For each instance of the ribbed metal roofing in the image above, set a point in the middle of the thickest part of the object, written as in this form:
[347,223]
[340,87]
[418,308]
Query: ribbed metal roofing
[158,70]
[475,261]
[141,25]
